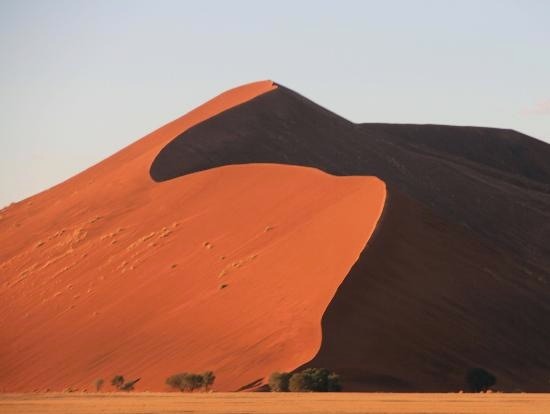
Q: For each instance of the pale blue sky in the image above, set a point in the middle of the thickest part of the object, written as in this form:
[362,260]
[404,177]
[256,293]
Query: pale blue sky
[82,79]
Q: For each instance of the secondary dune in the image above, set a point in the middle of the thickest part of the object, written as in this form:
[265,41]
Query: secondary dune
[229,269]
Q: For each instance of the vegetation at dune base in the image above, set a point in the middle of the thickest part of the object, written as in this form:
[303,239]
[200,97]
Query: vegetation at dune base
[98,384]
[129,386]
[188,381]
[479,380]
[119,383]
[278,381]
[308,380]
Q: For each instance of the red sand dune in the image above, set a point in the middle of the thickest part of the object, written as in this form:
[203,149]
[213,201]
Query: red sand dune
[120,269]
[457,274]
[229,269]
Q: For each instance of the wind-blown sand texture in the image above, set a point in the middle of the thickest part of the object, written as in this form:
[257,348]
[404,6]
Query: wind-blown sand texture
[230,269]
[276,403]
[225,241]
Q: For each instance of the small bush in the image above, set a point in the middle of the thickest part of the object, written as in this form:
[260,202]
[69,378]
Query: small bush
[177,381]
[480,380]
[195,381]
[299,382]
[187,381]
[334,383]
[98,384]
[278,381]
[314,380]
[117,381]
[129,386]
[208,379]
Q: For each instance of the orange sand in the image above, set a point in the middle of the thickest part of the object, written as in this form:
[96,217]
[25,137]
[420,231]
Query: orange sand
[275,403]
[112,273]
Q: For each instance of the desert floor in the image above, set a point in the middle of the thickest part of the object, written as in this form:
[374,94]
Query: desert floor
[249,403]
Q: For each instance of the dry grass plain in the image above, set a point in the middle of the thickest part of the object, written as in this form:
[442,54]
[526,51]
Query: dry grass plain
[270,403]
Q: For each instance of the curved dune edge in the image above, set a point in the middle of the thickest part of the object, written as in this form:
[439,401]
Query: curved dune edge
[424,320]
[131,283]
[405,318]
[130,166]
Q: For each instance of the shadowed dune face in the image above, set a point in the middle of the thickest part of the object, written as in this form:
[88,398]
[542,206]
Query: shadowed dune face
[428,300]
[229,269]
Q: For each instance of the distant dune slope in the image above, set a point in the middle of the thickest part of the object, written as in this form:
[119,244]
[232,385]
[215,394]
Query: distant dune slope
[229,269]
[458,274]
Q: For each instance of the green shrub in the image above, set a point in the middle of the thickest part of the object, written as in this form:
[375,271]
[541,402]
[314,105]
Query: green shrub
[187,381]
[334,383]
[479,380]
[278,381]
[117,381]
[299,382]
[98,384]
[314,380]
[208,379]
[196,381]
[129,386]
[178,381]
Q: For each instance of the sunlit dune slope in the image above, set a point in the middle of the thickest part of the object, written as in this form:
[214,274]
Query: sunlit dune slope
[229,269]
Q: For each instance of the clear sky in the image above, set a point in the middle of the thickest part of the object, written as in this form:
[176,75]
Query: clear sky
[82,79]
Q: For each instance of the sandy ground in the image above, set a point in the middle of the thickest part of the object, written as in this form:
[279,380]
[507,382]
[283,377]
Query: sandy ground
[143,403]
